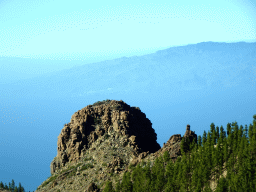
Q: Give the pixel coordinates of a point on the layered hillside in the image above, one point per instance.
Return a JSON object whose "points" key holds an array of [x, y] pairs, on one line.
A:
{"points": [[101, 142]]}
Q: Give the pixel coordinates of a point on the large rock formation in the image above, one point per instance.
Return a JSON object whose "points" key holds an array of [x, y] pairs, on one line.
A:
{"points": [[101, 142], [108, 117]]}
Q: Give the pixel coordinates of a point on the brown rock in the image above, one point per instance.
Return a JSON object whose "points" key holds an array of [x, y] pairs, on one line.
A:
{"points": [[105, 118], [174, 143], [172, 146], [138, 159], [190, 134], [92, 188]]}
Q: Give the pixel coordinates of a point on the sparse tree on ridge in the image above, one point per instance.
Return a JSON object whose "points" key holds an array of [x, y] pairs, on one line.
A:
{"points": [[16, 189], [217, 133], [246, 131], [12, 185], [213, 133], [204, 138], [199, 141]]}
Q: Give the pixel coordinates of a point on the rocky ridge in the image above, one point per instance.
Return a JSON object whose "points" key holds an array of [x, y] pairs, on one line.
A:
{"points": [[101, 142]]}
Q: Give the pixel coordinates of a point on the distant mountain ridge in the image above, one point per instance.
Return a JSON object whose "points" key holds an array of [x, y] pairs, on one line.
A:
{"points": [[202, 66]]}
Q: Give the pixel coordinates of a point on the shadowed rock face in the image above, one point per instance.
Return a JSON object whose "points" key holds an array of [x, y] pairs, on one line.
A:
{"points": [[105, 118]]}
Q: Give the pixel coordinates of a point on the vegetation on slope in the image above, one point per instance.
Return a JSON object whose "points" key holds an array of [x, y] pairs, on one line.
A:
{"points": [[219, 161]]}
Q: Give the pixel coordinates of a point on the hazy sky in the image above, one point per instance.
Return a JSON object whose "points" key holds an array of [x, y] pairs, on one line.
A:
{"points": [[81, 29]]}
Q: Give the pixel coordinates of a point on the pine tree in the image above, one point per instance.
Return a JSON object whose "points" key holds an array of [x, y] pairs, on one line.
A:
{"points": [[222, 185], [19, 188], [222, 136], [126, 184], [240, 133], [166, 157], [215, 159], [1, 185], [230, 138], [250, 133], [208, 151], [254, 118], [12, 185], [235, 133], [204, 138], [246, 131], [15, 189], [22, 189], [185, 171], [118, 186], [194, 180], [138, 180], [199, 141], [228, 129], [253, 148], [184, 146], [217, 133], [158, 175], [108, 187], [170, 175], [213, 133], [177, 176], [147, 176], [226, 152]]}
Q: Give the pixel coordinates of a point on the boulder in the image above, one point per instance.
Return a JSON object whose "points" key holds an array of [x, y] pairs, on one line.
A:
{"points": [[92, 188]]}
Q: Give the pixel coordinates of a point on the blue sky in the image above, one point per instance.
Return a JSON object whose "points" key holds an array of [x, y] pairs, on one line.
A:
{"points": [[79, 29]]}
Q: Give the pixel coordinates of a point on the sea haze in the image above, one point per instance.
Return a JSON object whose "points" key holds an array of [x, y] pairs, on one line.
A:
{"points": [[197, 84]]}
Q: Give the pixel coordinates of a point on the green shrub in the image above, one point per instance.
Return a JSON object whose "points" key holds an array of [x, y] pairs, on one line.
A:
{"points": [[101, 102], [87, 159], [52, 178], [84, 167], [108, 187]]}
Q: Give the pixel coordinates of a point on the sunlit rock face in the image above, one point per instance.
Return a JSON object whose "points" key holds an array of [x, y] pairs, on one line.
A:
{"points": [[107, 118]]}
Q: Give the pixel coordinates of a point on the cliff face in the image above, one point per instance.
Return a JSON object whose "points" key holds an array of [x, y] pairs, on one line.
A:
{"points": [[92, 122], [100, 143]]}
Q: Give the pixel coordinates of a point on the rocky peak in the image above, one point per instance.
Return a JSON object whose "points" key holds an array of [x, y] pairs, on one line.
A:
{"points": [[101, 142], [106, 118], [190, 134]]}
